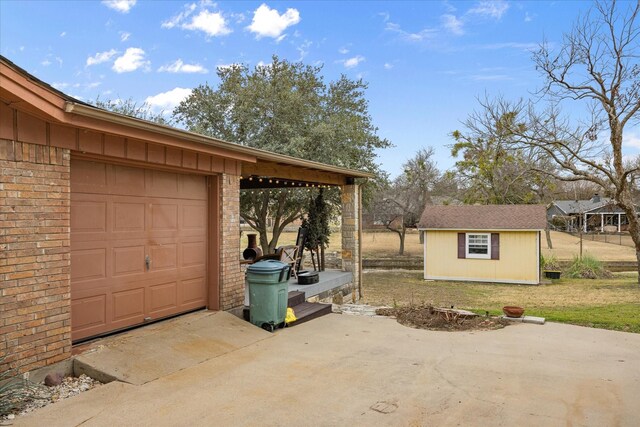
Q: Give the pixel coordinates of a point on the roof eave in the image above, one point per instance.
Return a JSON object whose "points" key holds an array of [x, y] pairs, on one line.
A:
{"points": [[98, 113]]}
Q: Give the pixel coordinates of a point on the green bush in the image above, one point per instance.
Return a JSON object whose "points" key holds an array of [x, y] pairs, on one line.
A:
{"points": [[587, 267], [550, 262]]}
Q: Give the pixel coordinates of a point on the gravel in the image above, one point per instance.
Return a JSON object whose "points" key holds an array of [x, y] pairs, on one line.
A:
{"points": [[42, 395]]}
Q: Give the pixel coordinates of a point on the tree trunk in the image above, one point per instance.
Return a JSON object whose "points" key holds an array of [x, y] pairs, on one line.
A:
{"points": [[547, 233], [321, 257], [402, 236]]}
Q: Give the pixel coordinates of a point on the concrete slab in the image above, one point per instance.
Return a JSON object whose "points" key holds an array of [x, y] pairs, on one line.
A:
{"points": [[157, 350], [364, 371]]}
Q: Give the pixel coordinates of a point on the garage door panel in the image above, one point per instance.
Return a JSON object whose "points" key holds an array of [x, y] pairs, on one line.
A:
{"points": [[128, 216], [163, 184], [88, 264], [89, 177], [194, 217], [89, 216], [116, 224], [89, 312], [193, 254], [128, 260], [125, 180], [193, 291], [128, 305], [164, 256], [193, 187], [164, 216], [163, 297]]}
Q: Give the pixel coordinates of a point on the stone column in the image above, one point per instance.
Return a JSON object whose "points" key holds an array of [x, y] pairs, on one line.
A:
{"points": [[351, 228], [231, 277]]}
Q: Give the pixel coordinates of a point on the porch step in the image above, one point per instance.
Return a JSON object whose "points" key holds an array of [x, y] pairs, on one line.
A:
{"points": [[295, 298], [309, 310], [303, 310]]}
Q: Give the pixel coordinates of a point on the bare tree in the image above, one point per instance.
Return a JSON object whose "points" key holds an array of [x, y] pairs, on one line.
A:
{"points": [[401, 203], [596, 65]]}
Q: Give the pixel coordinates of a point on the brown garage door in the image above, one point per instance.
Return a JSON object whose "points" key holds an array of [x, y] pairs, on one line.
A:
{"points": [[138, 245]]}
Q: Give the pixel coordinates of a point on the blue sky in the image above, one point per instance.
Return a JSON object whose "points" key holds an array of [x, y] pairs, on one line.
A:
{"points": [[426, 62]]}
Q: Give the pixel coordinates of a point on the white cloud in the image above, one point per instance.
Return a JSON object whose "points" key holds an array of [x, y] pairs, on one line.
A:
{"points": [[353, 62], [211, 23], [62, 34], [452, 24], [124, 36], [424, 34], [179, 66], [133, 58], [45, 63], [101, 57], [269, 23], [343, 51], [122, 6], [528, 17], [179, 18], [493, 9], [511, 45], [388, 66], [631, 139], [167, 101], [303, 49]]}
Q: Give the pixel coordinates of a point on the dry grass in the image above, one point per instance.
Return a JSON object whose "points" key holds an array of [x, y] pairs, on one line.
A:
{"points": [[565, 246], [612, 303], [386, 244]]}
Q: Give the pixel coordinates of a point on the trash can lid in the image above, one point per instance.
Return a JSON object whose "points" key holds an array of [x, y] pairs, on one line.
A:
{"points": [[267, 266]]}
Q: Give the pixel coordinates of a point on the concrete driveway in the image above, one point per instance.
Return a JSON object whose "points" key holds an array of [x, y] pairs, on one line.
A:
{"points": [[349, 370]]}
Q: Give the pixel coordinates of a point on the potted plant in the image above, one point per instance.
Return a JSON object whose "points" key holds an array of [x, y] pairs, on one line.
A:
{"points": [[550, 267]]}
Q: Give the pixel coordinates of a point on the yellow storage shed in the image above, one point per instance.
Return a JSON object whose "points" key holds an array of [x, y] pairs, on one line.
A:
{"points": [[491, 243]]}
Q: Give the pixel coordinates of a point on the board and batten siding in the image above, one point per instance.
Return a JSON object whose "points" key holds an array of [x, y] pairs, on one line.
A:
{"points": [[518, 263]]}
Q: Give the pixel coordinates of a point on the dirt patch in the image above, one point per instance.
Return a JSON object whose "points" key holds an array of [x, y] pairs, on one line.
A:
{"points": [[428, 317]]}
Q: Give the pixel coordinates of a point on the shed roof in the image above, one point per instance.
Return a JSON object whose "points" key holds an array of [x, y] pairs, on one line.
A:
{"points": [[484, 217]]}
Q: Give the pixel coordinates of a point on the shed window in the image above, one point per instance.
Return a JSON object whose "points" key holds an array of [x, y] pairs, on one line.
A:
{"points": [[478, 245]]}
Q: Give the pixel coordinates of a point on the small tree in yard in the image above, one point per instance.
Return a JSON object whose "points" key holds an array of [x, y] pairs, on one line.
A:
{"points": [[317, 224], [595, 66]]}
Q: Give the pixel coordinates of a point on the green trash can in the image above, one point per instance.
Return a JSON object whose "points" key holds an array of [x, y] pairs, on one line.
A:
{"points": [[268, 293]]}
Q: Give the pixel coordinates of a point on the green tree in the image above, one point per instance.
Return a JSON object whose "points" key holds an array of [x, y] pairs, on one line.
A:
{"points": [[285, 107], [490, 170], [317, 224]]}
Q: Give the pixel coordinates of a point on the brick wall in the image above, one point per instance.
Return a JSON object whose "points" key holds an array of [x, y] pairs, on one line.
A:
{"points": [[231, 277], [350, 232], [35, 318]]}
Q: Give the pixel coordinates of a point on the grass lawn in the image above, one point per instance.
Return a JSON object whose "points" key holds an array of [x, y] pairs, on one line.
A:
{"points": [[608, 304]]}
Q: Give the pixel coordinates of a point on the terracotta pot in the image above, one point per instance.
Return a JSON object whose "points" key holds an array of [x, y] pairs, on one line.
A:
{"points": [[513, 311], [253, 251]]}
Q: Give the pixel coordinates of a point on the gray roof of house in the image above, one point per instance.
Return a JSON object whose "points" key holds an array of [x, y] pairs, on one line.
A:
{"points": [[581, 206], [484, 217]]}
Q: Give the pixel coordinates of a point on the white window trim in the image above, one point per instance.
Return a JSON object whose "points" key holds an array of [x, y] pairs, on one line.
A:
{"points": [[477, 256]]}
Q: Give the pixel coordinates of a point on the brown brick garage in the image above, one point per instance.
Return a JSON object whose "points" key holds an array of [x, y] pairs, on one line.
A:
{"points": [[86, 195]]}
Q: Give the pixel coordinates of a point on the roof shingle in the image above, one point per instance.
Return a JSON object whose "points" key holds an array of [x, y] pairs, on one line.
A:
{"points": [[485, 217]]}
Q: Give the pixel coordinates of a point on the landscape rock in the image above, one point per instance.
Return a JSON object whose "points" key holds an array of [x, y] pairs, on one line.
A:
{"points": [[53, 379]]}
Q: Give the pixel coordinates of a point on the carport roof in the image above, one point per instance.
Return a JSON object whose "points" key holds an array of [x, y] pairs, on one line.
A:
{"points": [[256, 161]]}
